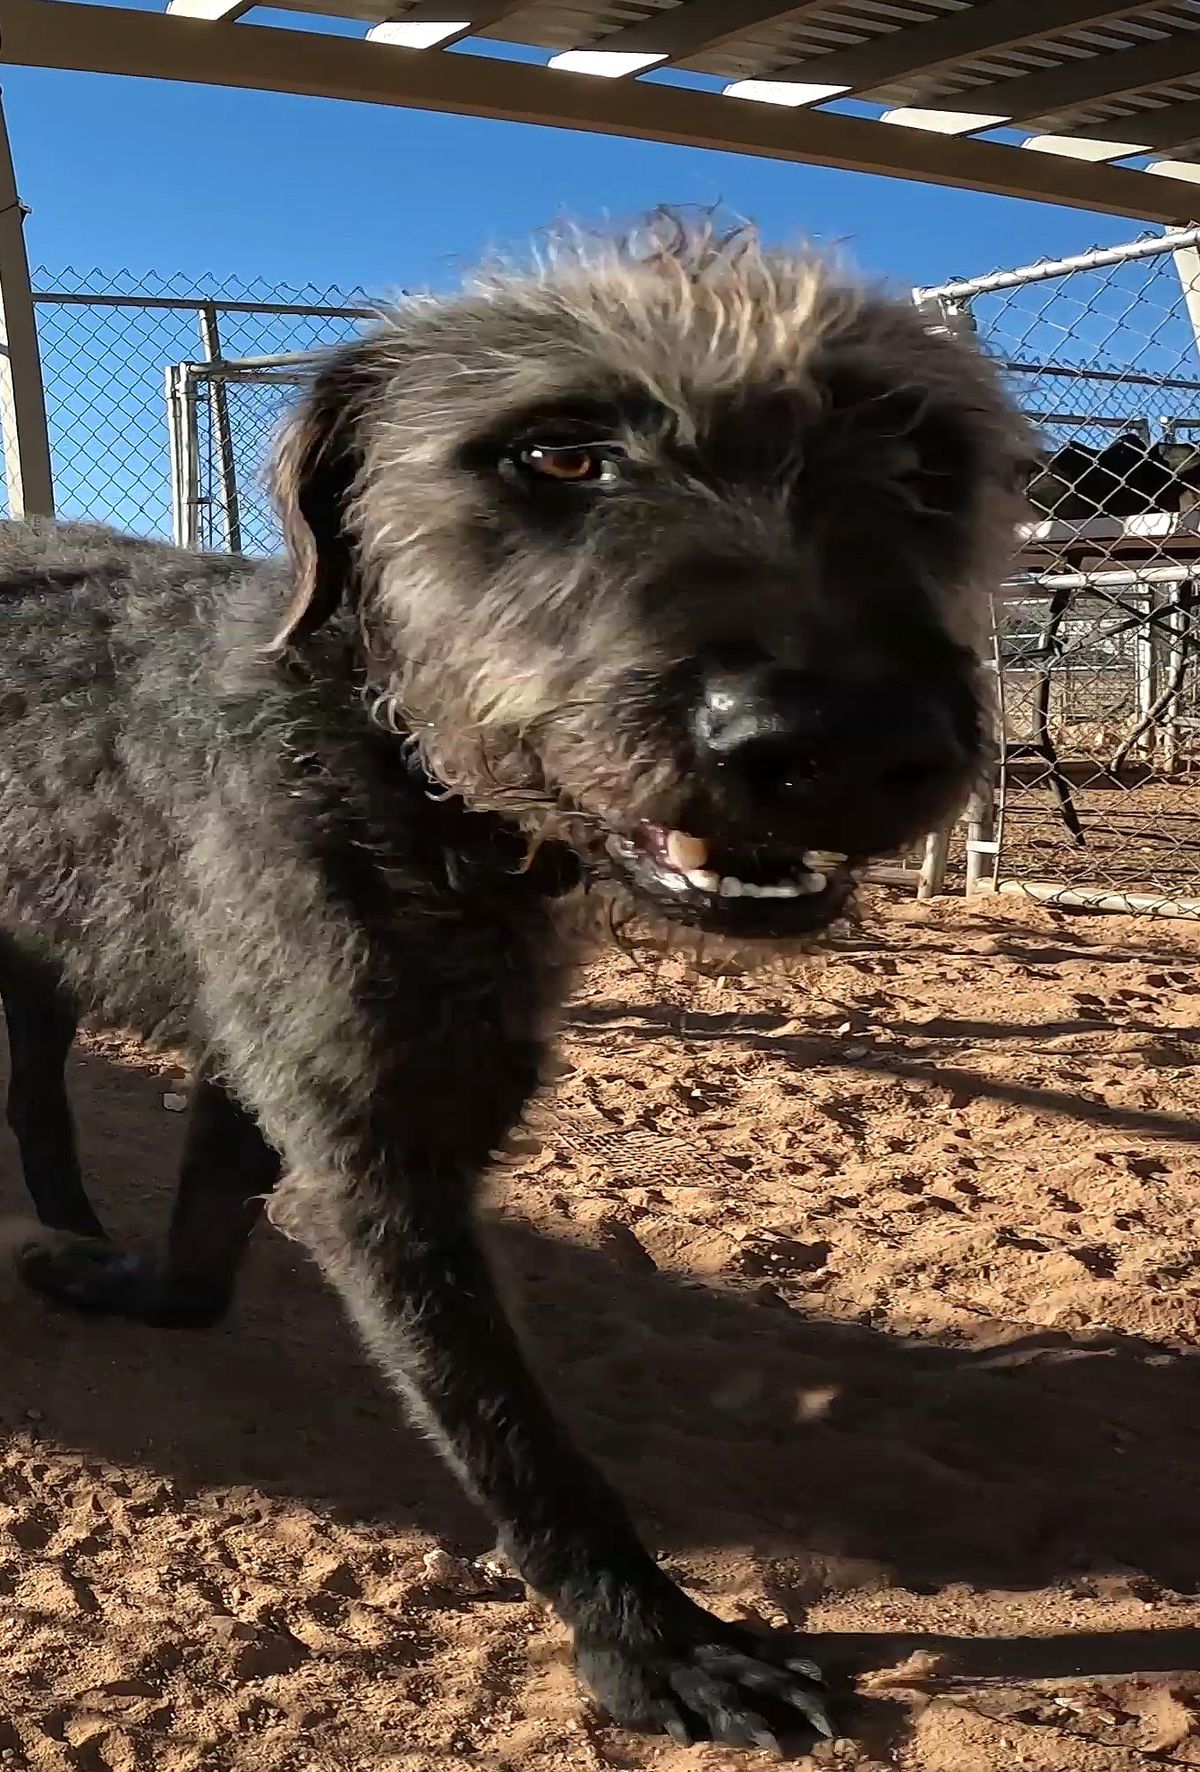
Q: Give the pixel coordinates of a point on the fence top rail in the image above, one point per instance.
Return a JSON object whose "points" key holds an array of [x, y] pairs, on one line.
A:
{"points": [[198, 304], [1042, 587], [967, 287], [1088, 372], [280, 368]]}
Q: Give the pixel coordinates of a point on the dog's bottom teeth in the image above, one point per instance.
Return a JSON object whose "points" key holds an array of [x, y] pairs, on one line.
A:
{"points": [[807, 886], [671, 848]]}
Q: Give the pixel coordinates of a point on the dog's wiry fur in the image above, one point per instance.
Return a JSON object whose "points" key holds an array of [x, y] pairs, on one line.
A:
{"points": [[687, 331], [315, 819]]}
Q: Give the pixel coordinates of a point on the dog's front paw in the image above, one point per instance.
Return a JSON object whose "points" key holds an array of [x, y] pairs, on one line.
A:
{"points": [[91, 1274], [700, 1679]]}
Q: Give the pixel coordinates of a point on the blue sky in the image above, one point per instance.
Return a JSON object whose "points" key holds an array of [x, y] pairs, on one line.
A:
{"points": [[167, 177]]}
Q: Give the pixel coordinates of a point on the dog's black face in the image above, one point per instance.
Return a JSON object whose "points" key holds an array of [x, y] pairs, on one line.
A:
{"points": [[797, 697], [689, 573]]}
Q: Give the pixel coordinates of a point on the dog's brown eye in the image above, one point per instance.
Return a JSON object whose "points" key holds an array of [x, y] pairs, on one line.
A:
{"points": [[563, 464], [569, 462]]}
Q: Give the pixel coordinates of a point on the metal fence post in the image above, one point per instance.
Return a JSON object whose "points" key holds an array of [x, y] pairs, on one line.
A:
{"points": [[1179, 622], [174, 444], [982, 848], [945, 315], [1148, 643], [183, 434], [210, 338], [957, 319], [931, 879], [26, 441], [1187, 268]]}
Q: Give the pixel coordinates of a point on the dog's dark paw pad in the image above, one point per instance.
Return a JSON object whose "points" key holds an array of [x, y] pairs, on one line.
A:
{"points": [[729, 1686], [86, 1273]]}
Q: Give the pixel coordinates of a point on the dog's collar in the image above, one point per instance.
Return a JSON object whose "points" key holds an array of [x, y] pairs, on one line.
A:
{"points": [[551, 868]]}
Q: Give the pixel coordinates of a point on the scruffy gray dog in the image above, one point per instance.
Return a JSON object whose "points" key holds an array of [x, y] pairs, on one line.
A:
{"points": [[657, 571]]}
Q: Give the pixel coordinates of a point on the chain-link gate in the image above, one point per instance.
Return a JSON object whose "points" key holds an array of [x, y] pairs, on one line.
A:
{"points": [[1097, 796], [106, 343], [223, 419]]}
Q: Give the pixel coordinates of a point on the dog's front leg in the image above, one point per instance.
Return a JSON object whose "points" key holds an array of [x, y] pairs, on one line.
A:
{"points": [[416, 1283], [387, 1079]]}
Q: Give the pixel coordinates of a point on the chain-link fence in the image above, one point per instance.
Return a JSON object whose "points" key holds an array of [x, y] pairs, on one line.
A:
{"points": [[1098, 792], [163, 397], [107, 344], [223, 419]]}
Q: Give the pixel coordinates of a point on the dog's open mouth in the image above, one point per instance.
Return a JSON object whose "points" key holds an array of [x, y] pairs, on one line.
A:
{"points": [[748, 891]]}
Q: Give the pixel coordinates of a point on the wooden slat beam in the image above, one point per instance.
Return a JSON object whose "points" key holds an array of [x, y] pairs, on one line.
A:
{"points": [[233, 12], [697, 25], [1169, 126], [481, 14], [119, 40], [922, 49], [1046, 94]]}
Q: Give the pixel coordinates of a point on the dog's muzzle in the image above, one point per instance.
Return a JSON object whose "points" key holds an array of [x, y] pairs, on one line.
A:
{"points": [[796, 780], [753, 892]]}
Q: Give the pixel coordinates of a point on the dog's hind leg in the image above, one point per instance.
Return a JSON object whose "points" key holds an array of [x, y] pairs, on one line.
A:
{"points": [[42, 1019], [228, 1169]]}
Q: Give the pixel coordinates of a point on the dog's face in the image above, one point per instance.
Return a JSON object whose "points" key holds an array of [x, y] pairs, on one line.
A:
{"points": [[682, 558]]}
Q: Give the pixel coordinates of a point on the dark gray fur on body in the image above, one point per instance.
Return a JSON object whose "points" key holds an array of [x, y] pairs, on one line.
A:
{"points": [[662, 569]]}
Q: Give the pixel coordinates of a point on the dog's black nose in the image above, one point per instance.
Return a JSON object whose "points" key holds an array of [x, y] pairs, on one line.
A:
{"points": [[854, 765]]}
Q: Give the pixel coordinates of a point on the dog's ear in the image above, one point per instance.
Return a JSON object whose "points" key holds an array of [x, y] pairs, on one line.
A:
{"points": [[317, 465]]}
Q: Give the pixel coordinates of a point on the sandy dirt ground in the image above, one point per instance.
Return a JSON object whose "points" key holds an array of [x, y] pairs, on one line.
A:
{"points": [[877, 1289]]}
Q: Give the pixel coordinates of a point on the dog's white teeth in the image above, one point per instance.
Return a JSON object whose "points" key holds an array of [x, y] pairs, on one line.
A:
{"points": [[684, 857], [807, 886], [688, 854], [734, 888]]}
